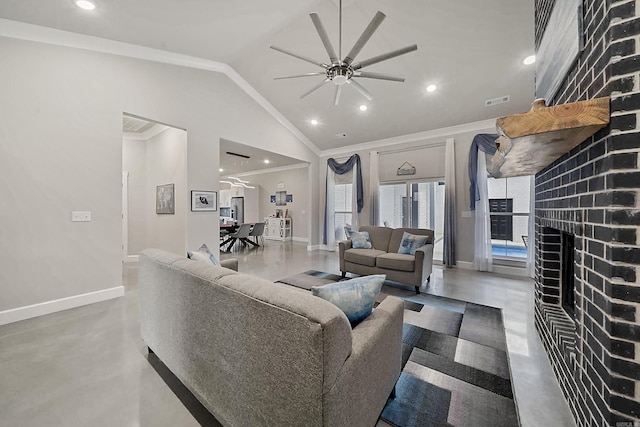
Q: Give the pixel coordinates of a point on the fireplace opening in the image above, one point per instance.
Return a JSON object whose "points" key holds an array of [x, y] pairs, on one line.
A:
{"points": [[567, 283]]}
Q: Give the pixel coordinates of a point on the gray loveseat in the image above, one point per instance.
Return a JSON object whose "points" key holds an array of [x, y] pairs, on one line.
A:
{"points": [[257, 353], [384, 258]]}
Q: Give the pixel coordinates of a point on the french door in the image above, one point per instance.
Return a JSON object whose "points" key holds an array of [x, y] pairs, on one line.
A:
{"points": [[418, 204]]}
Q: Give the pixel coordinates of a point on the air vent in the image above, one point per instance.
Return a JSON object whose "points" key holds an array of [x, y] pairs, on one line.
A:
{"points": [[495, 101], [341, 135]]}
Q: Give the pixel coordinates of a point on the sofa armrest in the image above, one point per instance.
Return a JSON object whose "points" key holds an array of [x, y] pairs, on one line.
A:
{"points": [[231, 264], [424, 257], [371, 371], [343, 245]]}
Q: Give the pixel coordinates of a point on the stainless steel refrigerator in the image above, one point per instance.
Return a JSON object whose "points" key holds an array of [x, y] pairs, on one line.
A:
{"points": [[237, 209]]}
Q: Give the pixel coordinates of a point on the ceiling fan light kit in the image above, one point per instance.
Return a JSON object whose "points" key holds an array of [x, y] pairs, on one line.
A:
{"points": [[346, 71]]}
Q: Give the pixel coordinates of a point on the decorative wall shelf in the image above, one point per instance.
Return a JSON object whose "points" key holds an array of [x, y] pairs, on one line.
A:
{"points": [[531, 141]]}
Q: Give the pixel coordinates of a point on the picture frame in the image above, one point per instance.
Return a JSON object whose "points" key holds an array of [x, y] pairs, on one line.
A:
{"points": [[165, 199], [281, 198], [204, 201]]}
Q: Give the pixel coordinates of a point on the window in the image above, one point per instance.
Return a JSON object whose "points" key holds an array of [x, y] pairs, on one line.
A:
{"points": [[509, 200], [501, 225], [415, 205], [343, 209]]}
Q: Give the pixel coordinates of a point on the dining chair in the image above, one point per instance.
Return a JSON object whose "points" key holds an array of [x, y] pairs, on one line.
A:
{"points": [[242, 234], [258, 232]]}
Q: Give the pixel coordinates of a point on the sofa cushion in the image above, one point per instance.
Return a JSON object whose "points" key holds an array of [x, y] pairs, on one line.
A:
{"points": [[203, 254], [360, 240], [379, 236], [411, 242], [401, 262], [397, 233], [355, 297], [362, 256]]}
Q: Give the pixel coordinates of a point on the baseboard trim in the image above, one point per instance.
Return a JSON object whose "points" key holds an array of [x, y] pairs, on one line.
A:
{"points": [[498, 269], [132, 258], [311, 248], [300, 239], [48, 307]]}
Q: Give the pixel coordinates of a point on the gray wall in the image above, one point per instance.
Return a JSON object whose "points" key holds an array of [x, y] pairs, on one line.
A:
{"points": [[296, 182], [464, 225], [61, 150]]}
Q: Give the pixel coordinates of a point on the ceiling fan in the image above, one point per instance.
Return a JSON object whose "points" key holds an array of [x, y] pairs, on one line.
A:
{"points": [[342, 72]]}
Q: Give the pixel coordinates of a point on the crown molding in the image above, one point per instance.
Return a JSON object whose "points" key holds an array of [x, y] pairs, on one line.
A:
{"points": [[413, 137], [272, 170], [37, 33]]}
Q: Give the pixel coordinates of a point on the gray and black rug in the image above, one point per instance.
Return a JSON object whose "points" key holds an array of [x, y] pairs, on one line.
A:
{"points": [[455, 368]]}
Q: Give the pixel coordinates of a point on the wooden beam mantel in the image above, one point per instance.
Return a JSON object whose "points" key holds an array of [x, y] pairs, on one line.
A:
{"points": [[531, 141]]}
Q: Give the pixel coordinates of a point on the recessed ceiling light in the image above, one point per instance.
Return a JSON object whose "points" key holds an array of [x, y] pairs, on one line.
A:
{"points": [[266, 161], [314, 122], [221, 170], [529, 60], [85, 4], [363, 107], [431, 88]]}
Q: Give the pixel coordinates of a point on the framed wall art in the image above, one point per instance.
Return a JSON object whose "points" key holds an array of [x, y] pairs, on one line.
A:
{"points": [[165, 199], [203, 201]]}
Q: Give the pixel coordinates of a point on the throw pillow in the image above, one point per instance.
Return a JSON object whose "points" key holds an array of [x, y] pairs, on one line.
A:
{"points": [[203, 254], [411, 242], [361, 240], [355, 297]]}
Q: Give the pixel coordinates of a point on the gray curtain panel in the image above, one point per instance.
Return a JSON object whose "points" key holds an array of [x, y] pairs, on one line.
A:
{"points": [[341, 169], [485, 142]]}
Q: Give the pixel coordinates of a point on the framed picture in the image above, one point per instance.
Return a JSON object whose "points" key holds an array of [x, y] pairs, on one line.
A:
{"points": [[281, 198], [165, 199], [202, 201]]}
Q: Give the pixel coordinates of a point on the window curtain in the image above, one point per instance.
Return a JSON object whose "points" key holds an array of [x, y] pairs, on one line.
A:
{"points": [[482, 259], [374, 186], [485, 142], [449, 248], [531, 240], [335, 168]]}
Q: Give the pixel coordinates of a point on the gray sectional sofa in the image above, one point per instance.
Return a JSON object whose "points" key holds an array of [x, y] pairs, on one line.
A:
{"points": [[257, 353], [384, 258]]}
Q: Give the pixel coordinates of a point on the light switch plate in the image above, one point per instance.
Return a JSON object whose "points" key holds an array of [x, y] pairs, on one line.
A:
{"points": [[81, 216]]}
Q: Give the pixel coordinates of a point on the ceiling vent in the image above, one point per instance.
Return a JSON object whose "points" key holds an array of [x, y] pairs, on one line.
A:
{"points": [[495, 101]]}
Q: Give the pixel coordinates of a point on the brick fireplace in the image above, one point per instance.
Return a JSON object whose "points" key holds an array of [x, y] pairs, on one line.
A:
{"points": [[592, 196]]}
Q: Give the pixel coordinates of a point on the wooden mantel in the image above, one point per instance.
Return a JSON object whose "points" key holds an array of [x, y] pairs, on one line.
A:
{"points": [[531, 141]]}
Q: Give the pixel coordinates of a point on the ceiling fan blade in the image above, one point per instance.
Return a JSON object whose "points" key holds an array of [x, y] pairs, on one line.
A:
{"points": [[360, 89], [385, 56], [364, 38], [336, 96], [320, 73], [295, 55], [316, 87], [324, 37], [380, 76]]}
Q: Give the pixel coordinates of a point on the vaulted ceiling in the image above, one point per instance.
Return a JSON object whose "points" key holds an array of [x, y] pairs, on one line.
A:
{"points": [[471, 50]]}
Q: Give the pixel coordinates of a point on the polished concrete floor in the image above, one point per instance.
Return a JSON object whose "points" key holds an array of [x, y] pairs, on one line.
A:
{"points": [[88, 367]]}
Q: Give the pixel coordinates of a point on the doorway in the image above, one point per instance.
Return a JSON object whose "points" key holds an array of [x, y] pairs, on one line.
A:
{"points": [[153, 157], [416, 204]]}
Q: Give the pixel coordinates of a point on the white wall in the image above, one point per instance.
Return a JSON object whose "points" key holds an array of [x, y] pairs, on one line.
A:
{"points": [[462, 136], [61, 150], [134, 161]]}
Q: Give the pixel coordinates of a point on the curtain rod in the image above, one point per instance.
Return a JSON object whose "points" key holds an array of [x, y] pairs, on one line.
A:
{"points": [[401, 150]]}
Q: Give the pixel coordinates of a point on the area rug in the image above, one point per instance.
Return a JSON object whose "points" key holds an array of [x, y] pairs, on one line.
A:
{"points": [[455, 367]]}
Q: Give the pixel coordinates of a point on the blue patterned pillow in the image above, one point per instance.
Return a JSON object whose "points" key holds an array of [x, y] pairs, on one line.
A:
{"points": [[355, 297], [203, 254], [411, 242], [360, 240]]}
